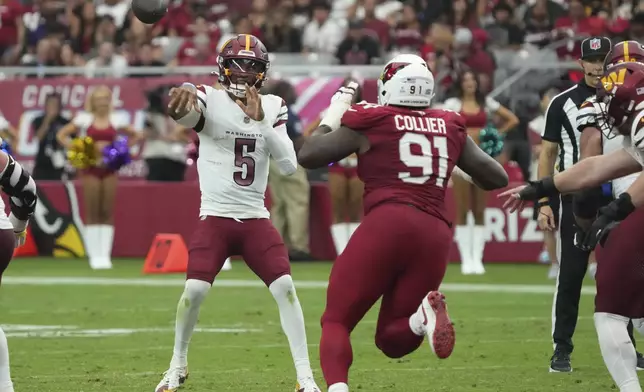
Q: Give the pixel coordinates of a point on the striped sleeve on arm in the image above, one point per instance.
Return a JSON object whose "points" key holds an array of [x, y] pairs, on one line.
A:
{"points": [[587, 114], [282, 116], [21, 188]]}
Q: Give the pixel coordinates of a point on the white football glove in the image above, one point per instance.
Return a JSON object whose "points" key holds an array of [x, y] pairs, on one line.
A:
{"points": [[340, 102], [19, 230]]}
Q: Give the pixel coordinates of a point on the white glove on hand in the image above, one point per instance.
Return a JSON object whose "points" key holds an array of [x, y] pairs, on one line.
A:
{"points": [[19, 230], [340, 102]]}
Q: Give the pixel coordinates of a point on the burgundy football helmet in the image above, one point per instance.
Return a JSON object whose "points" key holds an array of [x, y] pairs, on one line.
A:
{"points": [[624, 52], [242, 60], [620, 93]]}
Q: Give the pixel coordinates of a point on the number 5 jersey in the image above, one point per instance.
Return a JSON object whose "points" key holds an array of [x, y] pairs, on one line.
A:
{"points": [[234, 153]]}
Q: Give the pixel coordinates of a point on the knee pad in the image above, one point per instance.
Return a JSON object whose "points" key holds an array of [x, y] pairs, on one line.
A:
{"points": [[196, 290], [283, 287]]}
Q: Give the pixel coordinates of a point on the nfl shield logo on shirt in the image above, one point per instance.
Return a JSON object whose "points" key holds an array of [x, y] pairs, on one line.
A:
{"points": [[595, 43]]}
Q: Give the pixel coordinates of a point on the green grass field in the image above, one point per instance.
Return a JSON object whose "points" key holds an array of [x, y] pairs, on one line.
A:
{"points": [[115, 333]]}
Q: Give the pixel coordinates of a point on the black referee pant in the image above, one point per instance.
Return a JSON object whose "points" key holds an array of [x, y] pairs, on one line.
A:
{"points": [[573, 263]]}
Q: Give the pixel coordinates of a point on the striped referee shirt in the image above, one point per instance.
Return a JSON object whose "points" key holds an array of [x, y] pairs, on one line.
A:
{"points": [[561, 123]]}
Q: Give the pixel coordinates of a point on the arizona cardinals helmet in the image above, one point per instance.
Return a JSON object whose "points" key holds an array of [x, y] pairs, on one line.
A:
{"points": [[620, 93], [414, 87], [242, 61], [624, 52]]}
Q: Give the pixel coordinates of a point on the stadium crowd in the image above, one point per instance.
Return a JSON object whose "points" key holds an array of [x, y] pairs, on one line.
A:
{"points": [[448, 34]]}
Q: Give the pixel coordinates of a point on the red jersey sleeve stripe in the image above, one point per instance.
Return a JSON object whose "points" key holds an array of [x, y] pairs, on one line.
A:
{"points": [[280, 122]]}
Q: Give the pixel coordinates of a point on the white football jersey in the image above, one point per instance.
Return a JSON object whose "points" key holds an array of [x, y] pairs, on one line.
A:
{"points": [[234, 155], [634, 143], [587, 116]]}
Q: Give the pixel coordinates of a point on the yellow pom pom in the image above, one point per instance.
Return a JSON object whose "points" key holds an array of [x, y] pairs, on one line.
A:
{"points": [[82, 153]]}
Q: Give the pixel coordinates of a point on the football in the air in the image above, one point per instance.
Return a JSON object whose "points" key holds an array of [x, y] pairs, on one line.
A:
{"points": [[149, 11]]}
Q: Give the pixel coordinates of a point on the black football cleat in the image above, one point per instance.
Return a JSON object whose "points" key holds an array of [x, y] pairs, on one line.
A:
{"points": [[640, 361], [560, 362]]}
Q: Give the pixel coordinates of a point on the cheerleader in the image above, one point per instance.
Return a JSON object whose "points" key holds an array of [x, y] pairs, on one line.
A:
{"points": [[99, 183], [477, 110], [346, 191]]}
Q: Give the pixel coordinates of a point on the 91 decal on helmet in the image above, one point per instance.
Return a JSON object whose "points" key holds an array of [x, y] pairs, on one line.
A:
{"points": [[414, 89], [242, 61]]}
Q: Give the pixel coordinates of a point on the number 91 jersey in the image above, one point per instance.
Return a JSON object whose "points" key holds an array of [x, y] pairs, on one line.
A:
{"points": [[233, 155], [412, 154]]}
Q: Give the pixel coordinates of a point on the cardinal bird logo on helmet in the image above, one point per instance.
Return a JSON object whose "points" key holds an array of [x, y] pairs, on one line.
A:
{"points": [[242, 61]]}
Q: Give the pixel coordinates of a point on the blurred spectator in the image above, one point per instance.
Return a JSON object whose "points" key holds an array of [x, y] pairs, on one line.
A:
{"points": [[146, 58], [201, 54], [83, 24], [636, 31], [178, 20], [290, 194], [43, 20], [107, 31], [461, 14], [50, 159], [539, 24], [467, 54], [300, 13], [385, 10], [279, 36], [117, 10], [136, 35], [11, 29], [241, 25], [322, 34], [504, 32], [258, 13], [379, 27], [575, 26], [165, 147], [44, 57], [407, 37], [68, 58], [357, 47], [107, 58]]}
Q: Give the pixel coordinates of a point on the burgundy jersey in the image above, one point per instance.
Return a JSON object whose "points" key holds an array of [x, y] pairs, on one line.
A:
{"points": [[411, 157]]}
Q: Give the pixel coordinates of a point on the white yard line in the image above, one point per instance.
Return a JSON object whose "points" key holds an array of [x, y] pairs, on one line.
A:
{"points": [[394, 368], [301, 284]]}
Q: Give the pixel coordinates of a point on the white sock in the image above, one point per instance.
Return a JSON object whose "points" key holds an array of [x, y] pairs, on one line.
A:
{"points": [[187, 315], [92, 246], [478, 247], [340, 234], [5, 374], [618, 351], [463, 236], [416, 324], [107, 240], [227, 265], [339, 387], [292, 320]]}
